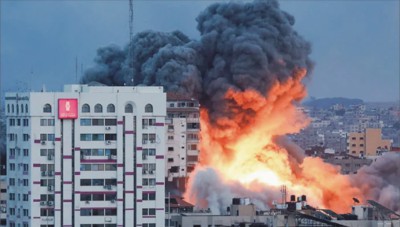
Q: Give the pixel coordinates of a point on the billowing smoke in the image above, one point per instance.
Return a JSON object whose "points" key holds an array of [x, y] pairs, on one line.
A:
{"points": [[242, 46], [246, 69], [380, 180]]}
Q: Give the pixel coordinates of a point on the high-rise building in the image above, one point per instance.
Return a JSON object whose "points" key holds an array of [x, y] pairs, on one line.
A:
{"points": [[367, 143], [88, 156], [183, 128]]}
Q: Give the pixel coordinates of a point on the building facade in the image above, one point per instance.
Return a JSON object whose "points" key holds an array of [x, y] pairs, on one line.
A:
{"points": [[87, 156], [367, 143], [183, 129]]}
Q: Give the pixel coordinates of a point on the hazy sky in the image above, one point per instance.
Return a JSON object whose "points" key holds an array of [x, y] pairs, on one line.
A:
{"points": [[355, 43]]}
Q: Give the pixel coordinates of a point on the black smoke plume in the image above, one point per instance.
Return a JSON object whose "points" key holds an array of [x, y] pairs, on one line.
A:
{"points": [[242, 46]]}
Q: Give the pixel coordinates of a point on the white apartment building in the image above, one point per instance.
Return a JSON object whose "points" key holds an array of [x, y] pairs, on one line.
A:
{"points": [[90, 156], [183, 129]]}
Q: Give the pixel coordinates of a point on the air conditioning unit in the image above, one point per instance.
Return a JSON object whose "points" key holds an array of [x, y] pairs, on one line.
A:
{"points": [[151, 172], [109, 187], [114, 157], [50, 203], [43, 142], [43, 203], [108, 142], [144, 172], [50, 188], [108, 128], [107, 219]]}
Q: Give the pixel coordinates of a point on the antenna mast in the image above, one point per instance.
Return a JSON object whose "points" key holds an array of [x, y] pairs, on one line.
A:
{"points": [[130, 57]]}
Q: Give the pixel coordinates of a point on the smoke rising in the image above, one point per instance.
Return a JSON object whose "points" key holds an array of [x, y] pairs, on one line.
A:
{"points": [[242, 46], [247, 65], [380, 180]]}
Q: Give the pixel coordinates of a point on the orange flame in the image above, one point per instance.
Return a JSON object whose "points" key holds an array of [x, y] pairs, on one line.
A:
{"points": [[241, 146]]}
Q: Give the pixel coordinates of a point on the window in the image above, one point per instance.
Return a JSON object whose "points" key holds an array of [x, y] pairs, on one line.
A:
{"points": [[85, 108], [12, 166], [46, 122], [25, 197], [148, 108], [22, 108], [11, 122], [110, 122], [149, 195], [18, 122], [148, 152], [25, 182], [170, 148], [111, 136], [110, 108], [26, 152], [26, 212], [148, 211], [98, 108], [170, 137], [8, 108], [26, 108], [47, 108], [12, 108], [148, 122], [128, 108], [18, 108], [25, 137], [25, 122], [170, 160], [98, 122], [11, 181], [86, 122]]}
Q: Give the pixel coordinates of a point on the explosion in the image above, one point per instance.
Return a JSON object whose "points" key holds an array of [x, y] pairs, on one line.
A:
{"points": [[247, 70], [246, 147]]}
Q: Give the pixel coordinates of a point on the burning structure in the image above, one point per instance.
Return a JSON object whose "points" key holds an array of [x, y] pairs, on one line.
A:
{"points": [[248, 71]]}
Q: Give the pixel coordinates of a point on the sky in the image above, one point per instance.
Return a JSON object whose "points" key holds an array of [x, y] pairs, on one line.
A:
{"points": [[355, 43]]}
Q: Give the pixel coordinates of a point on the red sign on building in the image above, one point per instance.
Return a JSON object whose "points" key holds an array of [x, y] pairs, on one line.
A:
{"points": [[67, 109]]}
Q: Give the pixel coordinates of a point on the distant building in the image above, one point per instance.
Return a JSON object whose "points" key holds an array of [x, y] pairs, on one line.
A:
{"points": [[3, 200], [348, 164], [87, 156], [183, 129], [367, 143]]}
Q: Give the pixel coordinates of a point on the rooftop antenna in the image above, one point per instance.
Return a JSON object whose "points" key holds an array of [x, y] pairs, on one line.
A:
{"points": [[131, 38], [76, 69]]}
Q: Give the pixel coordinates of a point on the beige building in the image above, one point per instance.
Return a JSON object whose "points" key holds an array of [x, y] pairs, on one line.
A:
{"points": [[368, 143]]}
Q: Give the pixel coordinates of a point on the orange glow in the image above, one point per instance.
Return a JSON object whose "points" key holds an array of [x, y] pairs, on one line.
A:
{"points": [[241, 147]]}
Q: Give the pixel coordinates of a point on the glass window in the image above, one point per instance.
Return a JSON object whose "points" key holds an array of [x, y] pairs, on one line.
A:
{"points": [[98, 182], [47, 108], [85, 182], [148, 108], [86, 137], [85, 108], [111, 122], [98, 212], [85, 197], [98, 197], [128, 108], [98, 137], [86, 122], [97, 121], [111, 136], [98, 108], [110, 108], [26, 108]]}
